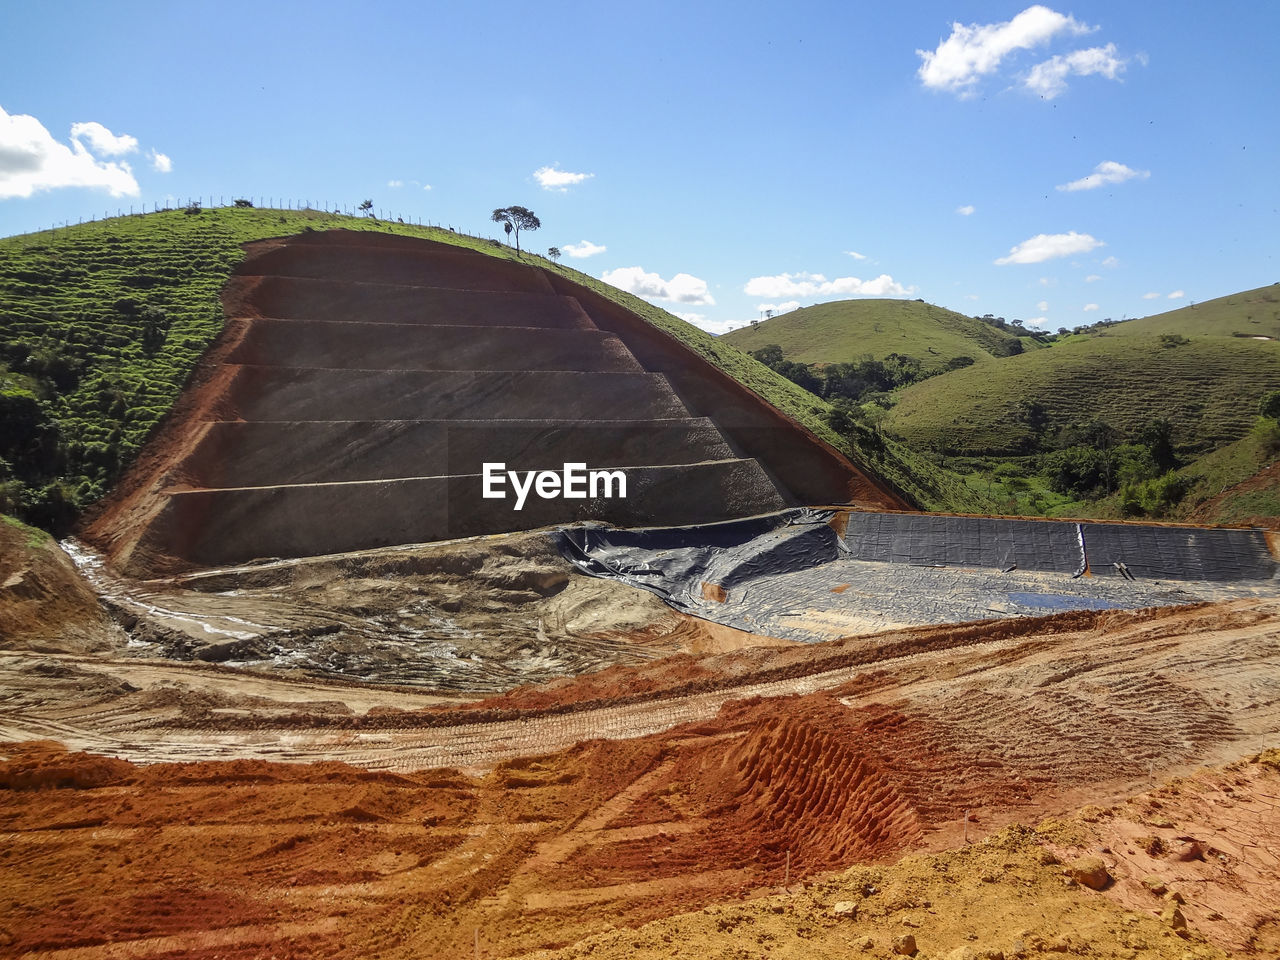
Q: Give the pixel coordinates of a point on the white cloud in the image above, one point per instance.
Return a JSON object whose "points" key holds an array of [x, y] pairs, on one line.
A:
{"points": [[971, 296], [856, 255], [966, 210], [1092, 278], [1106, 172], [1043, 306], [395, 183], [1047, 246], [584, 249], [779, 308], [426, 186], [102, 140], [1048, 281], [1151, 296], [160, 162], [1177, 295], [1089, 307], [711, 326], [974, 51], [1037, 322], [816, 285], [559, 180], [1111, 262], [1049, 79], [682, 288], [32, 160]]}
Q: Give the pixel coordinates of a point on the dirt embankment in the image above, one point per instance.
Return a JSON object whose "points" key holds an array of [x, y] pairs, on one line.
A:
{"points": [[1188, 874], [44, 603]]}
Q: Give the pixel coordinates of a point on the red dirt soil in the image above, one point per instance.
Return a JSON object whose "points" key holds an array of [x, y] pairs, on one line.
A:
{"points": [[247, 858]]}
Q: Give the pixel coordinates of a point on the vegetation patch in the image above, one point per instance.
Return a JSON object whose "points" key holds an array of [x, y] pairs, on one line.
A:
{"points": [[1208, 388]]}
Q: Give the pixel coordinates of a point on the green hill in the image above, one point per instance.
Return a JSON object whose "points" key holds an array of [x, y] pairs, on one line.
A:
{"points": [[101, 324], [847, 330], [1251, 313], [1207, 387]]}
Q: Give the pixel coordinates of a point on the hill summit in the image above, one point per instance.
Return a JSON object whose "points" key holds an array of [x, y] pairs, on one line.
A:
{"points": [[845, 330]]}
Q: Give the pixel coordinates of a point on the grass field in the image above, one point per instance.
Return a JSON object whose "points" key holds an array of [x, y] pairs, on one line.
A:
{"points": [[1208, 388], [847, 330], [1250, 313], [102, 323]]}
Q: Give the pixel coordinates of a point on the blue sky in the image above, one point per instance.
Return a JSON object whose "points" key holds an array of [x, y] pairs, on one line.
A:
{"points": [[1057, 164]]}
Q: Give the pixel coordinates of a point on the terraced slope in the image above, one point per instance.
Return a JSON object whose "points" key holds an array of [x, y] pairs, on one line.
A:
{"points": [[846, 330], [102, 324], [362, 381]]}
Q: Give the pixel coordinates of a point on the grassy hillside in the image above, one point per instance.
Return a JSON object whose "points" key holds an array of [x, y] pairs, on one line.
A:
{"points": [[846, 330], [101, 324], [1251, 313], [1208, 388]]}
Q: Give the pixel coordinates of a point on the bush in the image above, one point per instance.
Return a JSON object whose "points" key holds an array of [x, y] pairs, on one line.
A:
{"points": [[1079, 471], [1269, 437]]}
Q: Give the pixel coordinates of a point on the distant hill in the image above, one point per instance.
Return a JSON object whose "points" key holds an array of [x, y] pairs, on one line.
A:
{"points": [[1207, 386], [1252, 313], [847, 330]]}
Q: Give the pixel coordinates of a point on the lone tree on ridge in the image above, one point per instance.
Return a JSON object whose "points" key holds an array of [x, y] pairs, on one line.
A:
{"points": [[516, 219], [367, 207], [554, 254]]}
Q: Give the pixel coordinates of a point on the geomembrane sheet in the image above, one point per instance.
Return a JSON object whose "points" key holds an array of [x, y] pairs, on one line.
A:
{"points": [[965, 542], [789, 575], [1178, 553]]}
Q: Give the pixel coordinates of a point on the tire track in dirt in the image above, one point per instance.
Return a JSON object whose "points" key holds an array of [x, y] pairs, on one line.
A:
{"points": [[1185, 665]]}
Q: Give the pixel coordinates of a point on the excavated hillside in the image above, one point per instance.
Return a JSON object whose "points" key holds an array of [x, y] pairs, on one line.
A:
{"points": [[362, 381], [790, 743]]}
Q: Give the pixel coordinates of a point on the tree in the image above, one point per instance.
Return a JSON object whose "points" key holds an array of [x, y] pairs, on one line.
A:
{"points": [[1157, 434], [155, 328], [367, 207], [770, 355], [516, 219], [1269, 406], [554, 254]]}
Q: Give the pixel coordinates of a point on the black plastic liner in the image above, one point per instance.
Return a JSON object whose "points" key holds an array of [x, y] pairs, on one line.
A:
{"points": [[1126, 549], [1174, 553], [966, 542], [677, 563], [674, 562]]}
